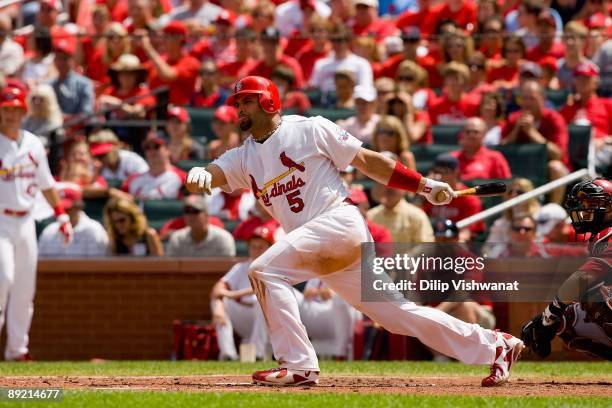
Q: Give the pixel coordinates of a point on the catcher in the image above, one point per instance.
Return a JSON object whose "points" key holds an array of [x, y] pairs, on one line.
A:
{"points": [[581, 312]]}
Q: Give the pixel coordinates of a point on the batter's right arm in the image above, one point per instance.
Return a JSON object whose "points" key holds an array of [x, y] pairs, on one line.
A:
{"points": [[203, 180]]}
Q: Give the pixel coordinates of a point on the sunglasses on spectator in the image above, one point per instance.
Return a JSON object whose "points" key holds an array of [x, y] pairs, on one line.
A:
{"points": [[386, 132], [455, 45], [407, 78], [521, 228], [120, 220], [515, 191], [191, 211], [152, 147]]}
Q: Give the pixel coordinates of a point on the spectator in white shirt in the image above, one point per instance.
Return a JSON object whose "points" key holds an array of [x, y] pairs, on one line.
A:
{"points": [[90, 238], [162, 181], [200, 12], [112, 162], [11, 53], [290, 15], [341, 58], [363, 123], [200, 238]]}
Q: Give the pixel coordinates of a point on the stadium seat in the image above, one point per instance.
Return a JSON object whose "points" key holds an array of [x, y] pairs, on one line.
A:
{"points": [[446, 134], [579, 141], [158, 212], [527, 160], [201, 121], [42, 224], [230, 225], [557, 97], [94, 208], [186, 165], [314, 96], [114, 183], [242, 248], [425, 155], [331, 114]]}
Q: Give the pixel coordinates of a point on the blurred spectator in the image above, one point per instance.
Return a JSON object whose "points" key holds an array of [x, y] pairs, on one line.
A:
{"points": [[44, 114], [38, 65], [416, 123], [175, 69], [554, 225], [478, 85], [549, 45], [140, 20], [548, 78], [363, 123], [75, 93], [289, 16], [499, 233], [263, 16], [200, 13], [299, 38], [273, 56], [528, 12], [221, 47], [603, 59], [522, 243], [292, 99], [344, 81], [420, 17], [78, 168], [367, 23], [128, 97], [411, 39], [506, 75], [342, 11], [11, 53], [98, 59], [574, 39], [367, 48], [319, 46], [90, 238], [568, 10], [456, 47], [209, 94], [341, 58], [475, 160], [390, 136], [181, 145], [384, 87], [598, 32], [128, 231], [93, 32], [446, 169], [246, 46], [163, 180], [380, 234], [406, 222], [225, 128], [454, 106], [200, 238], [535, 123], [234, 306], [258, 216], [412, 78], [492, 38], [492, 112], [462, 12], [112, 162], [585, 107], [486, 10]]}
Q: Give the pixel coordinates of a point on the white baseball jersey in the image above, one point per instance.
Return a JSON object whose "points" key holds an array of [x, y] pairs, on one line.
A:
{"points": [[90, 239], [295, 172], [149, 187], [24, 170], [130, 163], [237, 278]]}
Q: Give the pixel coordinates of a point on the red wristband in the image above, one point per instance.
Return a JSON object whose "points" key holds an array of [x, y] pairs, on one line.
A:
{"points": [[404, 179], [59, 210]]}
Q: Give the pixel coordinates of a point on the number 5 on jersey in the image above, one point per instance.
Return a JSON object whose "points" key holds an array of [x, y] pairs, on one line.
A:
{"points": [[295, 203]]}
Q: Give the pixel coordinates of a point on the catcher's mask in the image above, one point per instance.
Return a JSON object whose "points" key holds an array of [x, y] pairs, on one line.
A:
{"points": [[588, 203]]}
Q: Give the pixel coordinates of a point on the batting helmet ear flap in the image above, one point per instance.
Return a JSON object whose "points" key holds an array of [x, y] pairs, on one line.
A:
{"points": [[267, 102]]}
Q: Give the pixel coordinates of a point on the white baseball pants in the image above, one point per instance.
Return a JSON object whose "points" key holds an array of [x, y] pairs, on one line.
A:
{"points": [[328, 248], [18, 257]]}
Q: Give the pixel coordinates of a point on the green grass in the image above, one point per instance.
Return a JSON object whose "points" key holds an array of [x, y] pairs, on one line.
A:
{"points": [[92, 399], [601, 370]]}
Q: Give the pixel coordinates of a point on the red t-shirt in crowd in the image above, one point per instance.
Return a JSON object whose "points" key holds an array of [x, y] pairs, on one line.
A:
{"points": [[447, 112], [551, 125], [423, 116], [503, 73], [297, 43], [557, 51], [388, 68], [182, 87], [379, 233], [233, 69], [244, 230], [379, 29], [307, 58], [494, 54], [597, 110], [485, 164], [264, 70], [465, 17], [458, 209], [424, 19], [210, 49], [201, 101]]}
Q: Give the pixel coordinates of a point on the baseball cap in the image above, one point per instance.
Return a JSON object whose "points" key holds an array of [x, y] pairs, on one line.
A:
{"points": [[179, 113], [13, 96], [226, 17], [367, 93], [358, 196], [70, 194], [394, 44], [586, 69], [308, 4], [175, 28], [270, 34], [549, 216], [369, 3], [597, 20], [411, 33], [226, 114], [153, 141], [65, 46], [446, 161], [531, 69], [264, 232], [549, 62], [196, 201], [100, 149], [445, 228], [546, 17]]}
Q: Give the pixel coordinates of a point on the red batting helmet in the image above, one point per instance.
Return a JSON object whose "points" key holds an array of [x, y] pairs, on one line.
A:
{"points": [[12, 96], [269, 99]]}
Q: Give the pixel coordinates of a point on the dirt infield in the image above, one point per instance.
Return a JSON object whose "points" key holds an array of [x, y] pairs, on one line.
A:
{"points": [[519, 386]]}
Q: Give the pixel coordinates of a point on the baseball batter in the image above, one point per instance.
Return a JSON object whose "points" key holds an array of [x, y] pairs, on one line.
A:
{"points": [[292, 164], [24, 171]]}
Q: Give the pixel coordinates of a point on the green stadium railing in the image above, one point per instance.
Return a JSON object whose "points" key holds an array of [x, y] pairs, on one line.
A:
{"points": [[158, 212], [446, 134], [579, 143], [201, 122], [187, 165], [557, 97], [331, 113], [425, 155], [526, 160], [242, 248]]}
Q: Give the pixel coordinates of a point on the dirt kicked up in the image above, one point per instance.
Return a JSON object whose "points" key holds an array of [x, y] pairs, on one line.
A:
{"points": [[518, 386]]}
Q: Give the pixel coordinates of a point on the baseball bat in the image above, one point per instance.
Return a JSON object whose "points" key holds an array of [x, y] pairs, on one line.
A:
{"points": [[481, 190]]}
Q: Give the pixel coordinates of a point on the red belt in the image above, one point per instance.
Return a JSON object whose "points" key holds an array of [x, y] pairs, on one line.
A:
{"points": [[14, 213]]}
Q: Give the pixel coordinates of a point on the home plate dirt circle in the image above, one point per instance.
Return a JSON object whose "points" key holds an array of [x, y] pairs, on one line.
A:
{"points": [[519, 386]]}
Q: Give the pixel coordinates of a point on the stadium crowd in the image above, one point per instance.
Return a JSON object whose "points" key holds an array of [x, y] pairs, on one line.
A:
{"points": [[114, 89]]}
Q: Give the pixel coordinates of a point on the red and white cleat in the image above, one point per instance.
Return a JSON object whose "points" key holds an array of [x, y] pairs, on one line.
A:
{"points": [[508, 350], [285, 377]]}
